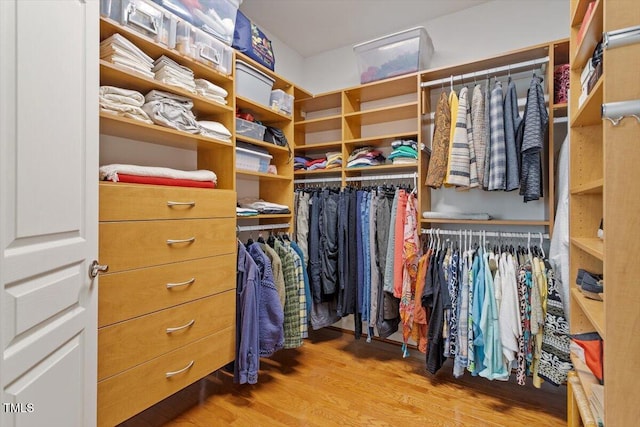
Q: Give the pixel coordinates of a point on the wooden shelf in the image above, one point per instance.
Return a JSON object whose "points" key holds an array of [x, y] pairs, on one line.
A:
{"points": [[592, 36], [593, 187], [271, 147], [109, 27], [112, 75], [578, 13], [591, 245], [560, 110], [321, 102], [324, 146], [385, 114], [590, 112], [134, 129], [381, 140], [261, 112], [519, 222], [320, 124], [594, 310], [388, 88], [381, 168], [262, 175], [333, 171]]}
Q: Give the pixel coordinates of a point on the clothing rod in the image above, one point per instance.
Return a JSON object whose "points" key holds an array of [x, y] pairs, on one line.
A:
{"points": [[506, 234], [621, 37], [616, 111], [488, 71], [382, 177], [316, 180], [262, 227]]}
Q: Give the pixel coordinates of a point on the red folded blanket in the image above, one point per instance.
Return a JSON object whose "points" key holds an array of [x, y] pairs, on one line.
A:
{"points": [[135, 179]]}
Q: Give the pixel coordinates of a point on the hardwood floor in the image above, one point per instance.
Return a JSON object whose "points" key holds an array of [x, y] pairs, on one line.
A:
{"points": [[335, 380]]}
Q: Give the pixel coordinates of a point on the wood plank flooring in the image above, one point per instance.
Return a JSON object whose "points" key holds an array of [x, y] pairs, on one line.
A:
{"points": [[335, 380]]}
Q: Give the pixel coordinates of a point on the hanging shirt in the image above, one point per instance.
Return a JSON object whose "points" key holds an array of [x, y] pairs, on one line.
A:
{"points": [[510, 326], [458, 170], [247, 362], [511, 122], [453, 106], [479, 130], [440, 144], [410, 267], [535, 124], [497, 159]]}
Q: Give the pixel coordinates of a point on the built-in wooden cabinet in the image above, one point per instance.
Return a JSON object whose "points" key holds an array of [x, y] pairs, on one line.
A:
{"points": [[602, 186]]}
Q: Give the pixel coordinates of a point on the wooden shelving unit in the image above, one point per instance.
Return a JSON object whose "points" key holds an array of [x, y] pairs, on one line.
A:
{"points": [[601, 190]]}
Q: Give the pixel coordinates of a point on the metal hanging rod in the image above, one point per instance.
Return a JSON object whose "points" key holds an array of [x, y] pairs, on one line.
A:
{"points": [[616, 111], [506, 234], [413, 175], [317, 180], [622, 37], [488, 71], [262, 227]]}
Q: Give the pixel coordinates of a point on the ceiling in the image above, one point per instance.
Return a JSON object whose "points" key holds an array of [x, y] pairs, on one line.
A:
{"points": [[314, 26]]}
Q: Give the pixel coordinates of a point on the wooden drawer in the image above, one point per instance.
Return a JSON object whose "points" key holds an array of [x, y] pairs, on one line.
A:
{"points": [[128, 344], [122, 202], [135, 244], [124, 395], [128, 294]]}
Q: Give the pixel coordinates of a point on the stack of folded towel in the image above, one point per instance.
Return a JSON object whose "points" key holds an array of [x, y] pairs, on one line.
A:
{"points": [[169, 110], [121, 52], [123, 102], [404, 152], [334, 160], [365, 156], [209, 90], [171, 73], [214, 130]]}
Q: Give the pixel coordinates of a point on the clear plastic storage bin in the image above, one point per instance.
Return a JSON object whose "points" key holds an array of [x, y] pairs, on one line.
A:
{"points": [[404, 52], [253, 84], [253, 161], [144, 17], [249, 129], [281, 101], [203, 47]]}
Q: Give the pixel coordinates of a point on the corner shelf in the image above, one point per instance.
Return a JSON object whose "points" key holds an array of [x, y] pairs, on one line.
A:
{"points": [[380, 140], [593, 187], [589, 112], [518, 222], [594, 310], [271, 147], [590, 39], [262, 175], [591, 245], [320, 124], [383, 114]]}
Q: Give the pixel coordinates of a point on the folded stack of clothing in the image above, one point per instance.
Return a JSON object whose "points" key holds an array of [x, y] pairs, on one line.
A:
{"points": [[365, 156], [170, 72], [214, 130], [209, 90], [262, 206], [300, 163], [121, 52], [334, 160], [404, 152], [246, 212], [158, 176], [123, 102], [315, 164], [174, 111]]}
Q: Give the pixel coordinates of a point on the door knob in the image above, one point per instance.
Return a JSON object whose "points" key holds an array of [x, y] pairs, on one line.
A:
{"points": [[95, 269]]}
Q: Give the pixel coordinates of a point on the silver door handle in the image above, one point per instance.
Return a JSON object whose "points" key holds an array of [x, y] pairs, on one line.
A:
{"points": [[170, 203], [170, 374], [175, 285], [173, 242], [178, 328], [95, 269]]}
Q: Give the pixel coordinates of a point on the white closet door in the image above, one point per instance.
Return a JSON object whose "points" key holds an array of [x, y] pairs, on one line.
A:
{"points": [[48, 211]]}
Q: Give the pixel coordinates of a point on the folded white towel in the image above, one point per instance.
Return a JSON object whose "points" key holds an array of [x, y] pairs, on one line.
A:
{"points": [[207, 86], [110, 172], [121, 96], [119, 41]]}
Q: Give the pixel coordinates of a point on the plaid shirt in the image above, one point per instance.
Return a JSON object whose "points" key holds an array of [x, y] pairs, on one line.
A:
{"points": [[498, 155], [292, 335]]}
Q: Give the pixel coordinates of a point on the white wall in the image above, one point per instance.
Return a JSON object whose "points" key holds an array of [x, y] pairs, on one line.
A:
{"points": [[485, 30]]}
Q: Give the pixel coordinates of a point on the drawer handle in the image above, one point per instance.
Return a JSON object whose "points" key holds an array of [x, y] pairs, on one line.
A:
{"points": [[171, 374], [170, 330], [191, 204], [175, 285], [173, 242]]}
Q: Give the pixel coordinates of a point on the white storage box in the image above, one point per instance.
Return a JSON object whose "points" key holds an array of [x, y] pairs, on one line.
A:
{"points": [[253, 161], [281, 101], [203, 47], [143, 17], [249, 129], [393, 55], [253, 84]]}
